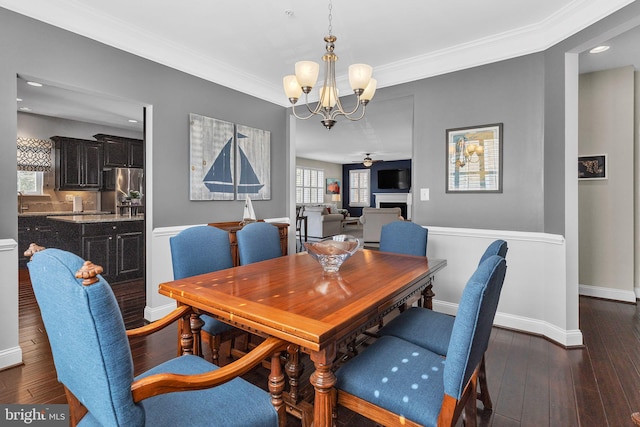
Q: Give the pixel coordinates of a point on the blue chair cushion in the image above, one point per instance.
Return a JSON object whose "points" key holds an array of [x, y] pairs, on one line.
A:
{"points": [[236, 403], [258, 241], [398, 376], [213, 326], [420, 326], [497, 247], [404, 237]]}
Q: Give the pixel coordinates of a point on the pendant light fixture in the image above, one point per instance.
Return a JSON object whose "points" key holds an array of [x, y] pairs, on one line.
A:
{"points": [[329, 106]]}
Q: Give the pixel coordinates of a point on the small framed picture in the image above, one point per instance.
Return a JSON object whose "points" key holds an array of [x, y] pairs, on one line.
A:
{"points": [[592, 167], [474, 159], [333, 186]]}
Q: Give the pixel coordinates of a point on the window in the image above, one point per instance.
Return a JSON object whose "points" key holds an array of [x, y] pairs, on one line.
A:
{"points": [[359, 187], [30, 182], [309, 185]]}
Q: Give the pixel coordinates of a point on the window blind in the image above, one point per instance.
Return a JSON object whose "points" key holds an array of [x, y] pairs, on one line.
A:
{"points": [[34, 154]]}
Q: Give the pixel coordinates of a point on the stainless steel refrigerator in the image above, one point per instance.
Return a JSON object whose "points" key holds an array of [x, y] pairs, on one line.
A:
{"points": [[120, 188]]}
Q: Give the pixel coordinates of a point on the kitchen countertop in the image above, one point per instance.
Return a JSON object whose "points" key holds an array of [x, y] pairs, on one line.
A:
{"points": [[63, 213], [94, 218]]}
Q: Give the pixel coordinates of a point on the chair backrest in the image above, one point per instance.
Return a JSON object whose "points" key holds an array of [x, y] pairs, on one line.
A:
{"points": [[497, 247], [87, 336], [404, 237], [472, 325], [258, 241], [199, 250]]}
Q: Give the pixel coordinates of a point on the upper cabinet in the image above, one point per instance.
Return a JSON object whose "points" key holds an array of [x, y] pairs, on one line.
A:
{"points": [[121, 152], [78, 163]]}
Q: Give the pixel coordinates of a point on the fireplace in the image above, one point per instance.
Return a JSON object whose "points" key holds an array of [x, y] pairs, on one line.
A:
{"points": [[395, 199], [402, 206]]}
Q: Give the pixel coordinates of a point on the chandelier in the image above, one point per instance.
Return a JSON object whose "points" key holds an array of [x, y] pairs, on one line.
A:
{"points": [[329, 106]]}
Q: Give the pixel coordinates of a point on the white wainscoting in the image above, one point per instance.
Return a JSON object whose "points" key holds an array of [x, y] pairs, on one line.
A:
{"points": [[535, 297], [10, 351]]}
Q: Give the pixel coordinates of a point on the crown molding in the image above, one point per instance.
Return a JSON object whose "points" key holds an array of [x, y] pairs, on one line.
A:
{"points": [[77, 17]]}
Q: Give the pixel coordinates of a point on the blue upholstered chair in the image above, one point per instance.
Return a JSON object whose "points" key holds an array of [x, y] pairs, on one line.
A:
{"points": [[404, 237], [258, 241], [198, 250], [394, 380], [432, 330], [93, 360]]}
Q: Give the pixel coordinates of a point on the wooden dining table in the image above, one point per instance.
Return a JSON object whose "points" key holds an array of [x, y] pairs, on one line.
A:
{"points": [[291, 298]]}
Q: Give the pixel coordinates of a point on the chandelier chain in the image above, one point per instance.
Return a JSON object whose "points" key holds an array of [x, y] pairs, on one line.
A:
{"points": [[330, 17]]}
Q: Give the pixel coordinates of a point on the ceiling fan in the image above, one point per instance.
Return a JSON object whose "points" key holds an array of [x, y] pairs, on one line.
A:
{"points": [[368, 161]]}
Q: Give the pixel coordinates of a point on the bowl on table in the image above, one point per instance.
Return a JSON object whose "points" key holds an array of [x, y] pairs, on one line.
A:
{"points": [[333, 251]]}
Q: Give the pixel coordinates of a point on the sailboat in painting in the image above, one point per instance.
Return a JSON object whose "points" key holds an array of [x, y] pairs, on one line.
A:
{"points": [[219, 178]]}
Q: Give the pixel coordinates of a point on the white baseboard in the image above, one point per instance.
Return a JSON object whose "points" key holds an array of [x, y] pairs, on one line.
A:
{"points": [[525, 324], [157, 313], [10, 357], [609, 293]]}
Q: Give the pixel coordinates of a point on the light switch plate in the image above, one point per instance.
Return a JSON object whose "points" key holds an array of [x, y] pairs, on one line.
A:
{"points": [[424, 194]]}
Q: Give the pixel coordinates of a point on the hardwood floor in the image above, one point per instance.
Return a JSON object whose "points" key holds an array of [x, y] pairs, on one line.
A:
{"points": [[532, 381]]}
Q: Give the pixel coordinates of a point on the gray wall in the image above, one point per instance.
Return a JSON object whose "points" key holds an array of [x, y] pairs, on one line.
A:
{"points": [[509, 92], [41, 51]]}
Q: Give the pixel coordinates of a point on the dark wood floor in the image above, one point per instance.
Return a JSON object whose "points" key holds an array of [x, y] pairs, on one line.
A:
{"points": [[532, 381]]}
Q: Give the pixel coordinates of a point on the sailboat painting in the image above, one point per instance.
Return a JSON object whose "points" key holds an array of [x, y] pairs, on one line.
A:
{"points": [[253, 163], [212, 159]]}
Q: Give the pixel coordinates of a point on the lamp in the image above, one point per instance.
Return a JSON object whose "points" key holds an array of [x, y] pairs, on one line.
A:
{"points": [[335, 197], [329, 105], [367, 161]]}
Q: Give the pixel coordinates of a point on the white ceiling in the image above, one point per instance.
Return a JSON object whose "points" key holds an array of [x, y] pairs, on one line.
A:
{"points": [[250, 45]]}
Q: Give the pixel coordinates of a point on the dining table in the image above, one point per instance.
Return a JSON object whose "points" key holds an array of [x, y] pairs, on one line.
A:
{"points": [[318, 313]]}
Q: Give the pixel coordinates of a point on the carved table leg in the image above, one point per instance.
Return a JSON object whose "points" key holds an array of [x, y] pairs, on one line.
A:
{"points": [[196, 324], [276, 387], [294, 400], [294, 370], [428, 295], [323, 381]]}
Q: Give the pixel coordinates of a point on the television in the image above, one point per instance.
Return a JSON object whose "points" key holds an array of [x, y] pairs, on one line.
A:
{"points": [[396, 179]]}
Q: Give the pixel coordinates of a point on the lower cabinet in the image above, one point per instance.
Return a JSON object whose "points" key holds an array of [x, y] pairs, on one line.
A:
{"points": [[35, 229], [116, 246]]}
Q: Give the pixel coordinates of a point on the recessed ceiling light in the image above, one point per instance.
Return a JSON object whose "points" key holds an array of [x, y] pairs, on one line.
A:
{"points": [[36, 84], [19, 99], [133, 121], [599, 49]]}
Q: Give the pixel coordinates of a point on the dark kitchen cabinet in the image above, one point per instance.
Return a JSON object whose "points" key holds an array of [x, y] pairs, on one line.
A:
{"points": [[117, 246], [121, 152], [34, 229], [78, 163]]}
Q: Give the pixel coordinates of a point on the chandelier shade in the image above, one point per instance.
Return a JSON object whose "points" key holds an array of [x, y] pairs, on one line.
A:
{"points": [[329, 106]]}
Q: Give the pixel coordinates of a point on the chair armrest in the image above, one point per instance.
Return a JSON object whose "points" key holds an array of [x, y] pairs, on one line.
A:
{"points": [[162, 323], [168, 383]]}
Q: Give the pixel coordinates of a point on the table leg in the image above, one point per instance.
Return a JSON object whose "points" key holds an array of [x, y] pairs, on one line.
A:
{"points": [[427, 295], [294, 400], [276, 387], [323, 381]]}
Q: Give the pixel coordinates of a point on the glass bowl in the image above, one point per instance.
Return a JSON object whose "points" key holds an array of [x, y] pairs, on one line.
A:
{"points": [[331, 252]]}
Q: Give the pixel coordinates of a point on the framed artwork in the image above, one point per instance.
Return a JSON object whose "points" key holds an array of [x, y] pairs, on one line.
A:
{"points": [[592, 167], [474, 159], [333, 186], [212, 156], [253, 163]]}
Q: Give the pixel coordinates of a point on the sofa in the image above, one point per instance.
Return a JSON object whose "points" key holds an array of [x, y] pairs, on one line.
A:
{"points": [[373, 219], [321, 223]]}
